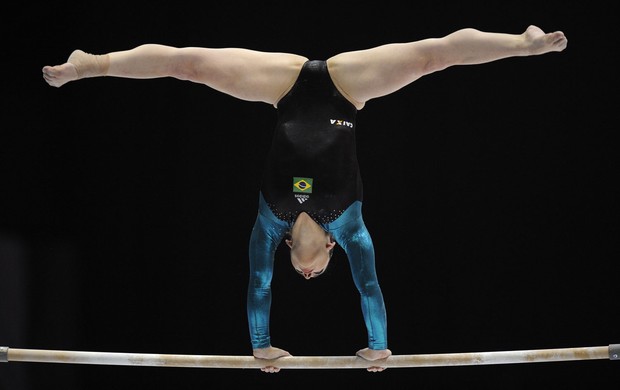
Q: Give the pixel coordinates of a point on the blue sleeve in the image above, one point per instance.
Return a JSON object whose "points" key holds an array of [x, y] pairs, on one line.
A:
{"points": [[352, 235], [267, 234]]}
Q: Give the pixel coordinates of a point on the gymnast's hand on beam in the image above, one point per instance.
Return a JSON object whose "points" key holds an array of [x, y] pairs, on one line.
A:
{"points": [[372, 355], [270, 353]]}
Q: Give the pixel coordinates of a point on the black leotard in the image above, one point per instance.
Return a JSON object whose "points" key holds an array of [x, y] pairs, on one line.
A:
{"points": [[314, 140], [312, 167]]}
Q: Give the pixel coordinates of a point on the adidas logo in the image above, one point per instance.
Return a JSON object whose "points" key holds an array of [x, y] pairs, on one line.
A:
{"points": [[302, 198]]}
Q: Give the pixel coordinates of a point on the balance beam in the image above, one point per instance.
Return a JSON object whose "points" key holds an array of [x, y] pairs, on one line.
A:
{"points": [[611, 352]]}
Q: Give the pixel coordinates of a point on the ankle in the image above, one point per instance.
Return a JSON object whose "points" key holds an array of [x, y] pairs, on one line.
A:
{"points": [[89, 65]]}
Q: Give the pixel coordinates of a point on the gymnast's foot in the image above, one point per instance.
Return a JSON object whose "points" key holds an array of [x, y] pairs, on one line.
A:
{"points": [[78, 66], [58, 75], [540, 43]]}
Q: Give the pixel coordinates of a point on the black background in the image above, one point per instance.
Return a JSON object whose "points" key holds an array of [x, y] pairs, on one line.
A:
{"points": [[126, 205]]}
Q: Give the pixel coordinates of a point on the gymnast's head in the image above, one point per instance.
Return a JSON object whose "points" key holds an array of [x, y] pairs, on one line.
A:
{"points": [[311, 247]]}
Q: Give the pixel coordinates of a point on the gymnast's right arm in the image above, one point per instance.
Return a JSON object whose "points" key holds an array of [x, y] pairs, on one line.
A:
{"points": [[264, 240]]}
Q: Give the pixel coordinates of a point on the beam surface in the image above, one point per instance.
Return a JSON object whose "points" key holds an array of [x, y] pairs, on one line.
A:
{"points": [[308, 362]]}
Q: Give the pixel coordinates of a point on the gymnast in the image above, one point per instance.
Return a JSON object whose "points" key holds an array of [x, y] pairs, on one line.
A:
{"points": [[311, 191]]}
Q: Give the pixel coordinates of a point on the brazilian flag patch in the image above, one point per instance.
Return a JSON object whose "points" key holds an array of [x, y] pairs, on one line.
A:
{"points": [[302, 184]]}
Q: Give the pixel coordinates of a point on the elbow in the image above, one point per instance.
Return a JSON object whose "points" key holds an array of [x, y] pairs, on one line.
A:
{"points": [[260, 281], [369, 288]]}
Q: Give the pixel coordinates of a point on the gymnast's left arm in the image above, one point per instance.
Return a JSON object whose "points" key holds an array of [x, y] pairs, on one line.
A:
{"points": [[357, 243]]}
